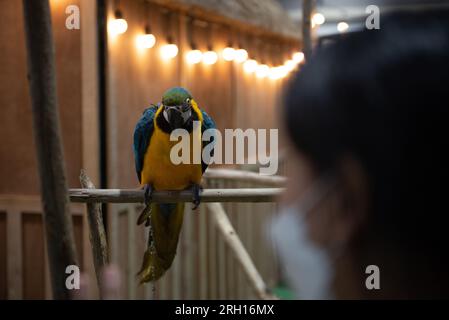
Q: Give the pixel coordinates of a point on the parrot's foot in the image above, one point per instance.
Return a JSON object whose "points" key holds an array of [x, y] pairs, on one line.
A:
{"points": [[196, 196], [145, 215], [148, 193]]}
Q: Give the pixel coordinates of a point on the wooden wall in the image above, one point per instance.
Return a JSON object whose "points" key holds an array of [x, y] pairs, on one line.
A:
{"points": [[203, 268], [22, 262]]}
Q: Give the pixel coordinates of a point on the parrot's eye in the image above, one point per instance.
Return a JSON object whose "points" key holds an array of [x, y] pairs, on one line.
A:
{"points": [[188, 100]]}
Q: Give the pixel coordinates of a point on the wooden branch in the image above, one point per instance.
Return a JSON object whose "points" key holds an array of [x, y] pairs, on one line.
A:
{"points": [[47, 135], [245, 176], [233, 241], [97, 234], [208, 195]]}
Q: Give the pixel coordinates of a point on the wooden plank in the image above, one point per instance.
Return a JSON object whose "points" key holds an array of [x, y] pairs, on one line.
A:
{"points": [[131, 242], [230, 261], [190, 252], [3, 257], [89, 90], [14, 255], [33, 269], [177, 271], [202, 268], [211, 254], [221, 258], [122, 260]]}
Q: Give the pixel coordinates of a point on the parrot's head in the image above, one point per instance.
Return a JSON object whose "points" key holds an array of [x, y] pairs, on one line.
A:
{"points": [[177, 104]]}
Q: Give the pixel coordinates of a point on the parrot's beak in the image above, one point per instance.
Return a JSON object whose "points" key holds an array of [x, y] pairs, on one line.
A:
{"points": [[175, 118]]}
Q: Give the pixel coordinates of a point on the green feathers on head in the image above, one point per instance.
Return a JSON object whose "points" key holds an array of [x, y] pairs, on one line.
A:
{"points": [[175, 96]]}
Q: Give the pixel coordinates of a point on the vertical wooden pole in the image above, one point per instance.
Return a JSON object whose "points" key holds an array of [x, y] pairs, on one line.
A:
{"points": [[42, 82], [307, 27]]}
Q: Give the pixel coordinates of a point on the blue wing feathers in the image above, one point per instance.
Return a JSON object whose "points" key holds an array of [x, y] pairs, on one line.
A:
{"points": [[142, 135], [208, 123]]}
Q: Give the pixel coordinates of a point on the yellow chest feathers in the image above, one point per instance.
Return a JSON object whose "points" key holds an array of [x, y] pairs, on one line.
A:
{"points": [[161, 172]]}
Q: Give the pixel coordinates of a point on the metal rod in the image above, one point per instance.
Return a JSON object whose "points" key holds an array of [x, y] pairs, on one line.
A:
{"points": [[208, 195]]}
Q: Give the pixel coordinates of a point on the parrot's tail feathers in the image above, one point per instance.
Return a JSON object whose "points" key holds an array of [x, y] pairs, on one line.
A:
{"points": [[166, 223], [144, 215], [152, 267]]}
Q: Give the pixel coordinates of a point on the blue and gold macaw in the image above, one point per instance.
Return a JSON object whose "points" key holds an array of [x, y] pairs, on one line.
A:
{"points": [[156, 171]]}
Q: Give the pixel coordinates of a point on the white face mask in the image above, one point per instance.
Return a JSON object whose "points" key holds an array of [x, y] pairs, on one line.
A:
{"points": [[307, 267]]}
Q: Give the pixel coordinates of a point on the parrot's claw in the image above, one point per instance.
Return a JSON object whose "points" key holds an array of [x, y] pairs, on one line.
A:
{"points": [[196, 196], [145, 215], [148, 192]]}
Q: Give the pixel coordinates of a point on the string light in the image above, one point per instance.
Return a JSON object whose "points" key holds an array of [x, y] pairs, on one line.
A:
{"points": [[274, 73], [118, 25], [342, 27], [147, 40], [169, 51], [262, 71], [318, 19], [241, 55], [250, 66], [210, 57], [290, 65], [298, 57], [229, 53], [278, 72], [194, 56]]}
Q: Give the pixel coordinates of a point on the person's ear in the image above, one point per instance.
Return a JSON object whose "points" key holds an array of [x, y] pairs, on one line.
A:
{"points": [[353, 200]]}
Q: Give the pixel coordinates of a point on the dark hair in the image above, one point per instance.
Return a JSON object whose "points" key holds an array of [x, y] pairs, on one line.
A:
{"points": [[382, 96]]}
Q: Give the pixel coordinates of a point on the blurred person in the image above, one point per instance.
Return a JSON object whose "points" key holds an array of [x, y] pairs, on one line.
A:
{"points": [[367, 123]]}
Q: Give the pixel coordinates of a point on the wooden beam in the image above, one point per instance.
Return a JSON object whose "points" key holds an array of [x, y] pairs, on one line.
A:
{"points": [[233, 241], [245, 176], [97, 234], [208, 195], [47, 134], [261, 18]]}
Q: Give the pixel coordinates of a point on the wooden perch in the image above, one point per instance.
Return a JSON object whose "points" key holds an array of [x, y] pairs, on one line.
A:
{"points": [[207, 195], [97, 234], [245, 176], [240, 253]]}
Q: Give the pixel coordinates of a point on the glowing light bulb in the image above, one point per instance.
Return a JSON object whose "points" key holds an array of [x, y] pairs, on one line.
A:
{"points": [[298, 57], [228, 54], [274, 73], [278, 72], [210, 57], [342, 27], [283, 71], [318, 19], [241, 55], [250, 66], [194, 56], [262, 71], [169, 51], [117, 26], [290, 65], [145, 41]]}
